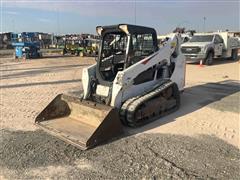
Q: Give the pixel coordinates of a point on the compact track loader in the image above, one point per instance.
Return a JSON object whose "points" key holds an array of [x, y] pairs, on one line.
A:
{"points": [[132, 83]]}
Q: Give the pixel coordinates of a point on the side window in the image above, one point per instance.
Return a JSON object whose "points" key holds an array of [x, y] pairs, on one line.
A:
{"points": [[218, 39], [142, 46]]}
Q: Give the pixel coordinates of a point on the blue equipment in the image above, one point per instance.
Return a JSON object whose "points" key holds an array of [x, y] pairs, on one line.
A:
{"points": [[27, 50], [26, 45]]}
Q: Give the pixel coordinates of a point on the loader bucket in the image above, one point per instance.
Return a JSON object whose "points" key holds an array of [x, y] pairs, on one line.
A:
{"points": [[81, 123]]}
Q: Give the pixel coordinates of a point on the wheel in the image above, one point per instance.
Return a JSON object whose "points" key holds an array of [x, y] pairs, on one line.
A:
{"points": [[234, 56], [209, 59]]}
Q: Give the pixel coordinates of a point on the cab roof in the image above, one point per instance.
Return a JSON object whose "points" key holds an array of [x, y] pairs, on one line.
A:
{"points": [[132, 29]]}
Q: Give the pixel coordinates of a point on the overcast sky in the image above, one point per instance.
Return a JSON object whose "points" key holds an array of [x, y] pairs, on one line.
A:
{"points": [[78, 16]]}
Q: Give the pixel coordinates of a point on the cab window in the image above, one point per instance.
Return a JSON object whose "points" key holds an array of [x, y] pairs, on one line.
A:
{"points": [[142, 46], [218, 39]]}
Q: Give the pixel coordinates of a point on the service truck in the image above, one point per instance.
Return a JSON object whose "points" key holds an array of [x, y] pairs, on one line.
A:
{"points": [[205, 47]]}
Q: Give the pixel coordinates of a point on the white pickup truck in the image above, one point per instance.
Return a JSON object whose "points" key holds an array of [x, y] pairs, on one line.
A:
{"points": [[207, 46]]}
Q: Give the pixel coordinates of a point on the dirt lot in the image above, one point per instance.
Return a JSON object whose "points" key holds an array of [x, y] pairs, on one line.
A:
{"points": [[199, 141]]}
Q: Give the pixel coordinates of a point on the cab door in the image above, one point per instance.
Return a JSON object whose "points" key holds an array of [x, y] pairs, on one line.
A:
{"points": [[218, 45]]}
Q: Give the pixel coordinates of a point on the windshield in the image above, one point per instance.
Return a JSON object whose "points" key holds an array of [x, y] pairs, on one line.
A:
{"points": [[202, 38], [114, 44], [113, 54]]}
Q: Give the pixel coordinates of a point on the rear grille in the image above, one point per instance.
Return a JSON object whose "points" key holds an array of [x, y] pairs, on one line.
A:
{"points": [[190, 50]]}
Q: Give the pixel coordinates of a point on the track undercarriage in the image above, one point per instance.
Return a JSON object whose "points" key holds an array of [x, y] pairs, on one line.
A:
{"points": [[160, 101]]}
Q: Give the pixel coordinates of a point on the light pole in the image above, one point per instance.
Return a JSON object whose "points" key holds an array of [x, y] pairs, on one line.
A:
{"points": [[135, 12], [58, 25], [204, 24]]}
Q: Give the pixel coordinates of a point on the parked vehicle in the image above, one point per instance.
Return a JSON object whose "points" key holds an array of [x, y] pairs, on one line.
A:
{"points": [[73, 47], [207, 46], [91, 47], [81, 47]]}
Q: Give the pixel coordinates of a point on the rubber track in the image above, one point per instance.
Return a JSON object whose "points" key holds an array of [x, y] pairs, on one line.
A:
{"points": [[129, 108]]}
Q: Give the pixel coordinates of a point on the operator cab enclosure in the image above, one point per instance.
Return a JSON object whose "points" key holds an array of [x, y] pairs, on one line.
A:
{"points": [[122, 46]]}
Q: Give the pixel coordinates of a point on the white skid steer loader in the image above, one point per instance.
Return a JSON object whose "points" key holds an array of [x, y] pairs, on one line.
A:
{"points": [[133, 83]]}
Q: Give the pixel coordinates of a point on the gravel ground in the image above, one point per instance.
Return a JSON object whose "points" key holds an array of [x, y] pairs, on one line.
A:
{"points": [[200, 141], [36, 155]]}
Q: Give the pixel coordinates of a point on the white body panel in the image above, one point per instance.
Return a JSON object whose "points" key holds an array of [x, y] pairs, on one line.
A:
{"points": [[86, 75], [178, 75]]}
